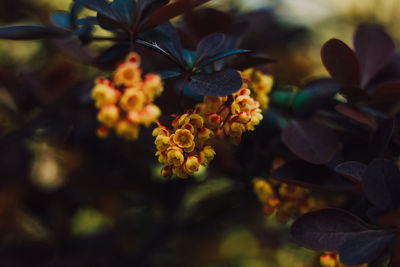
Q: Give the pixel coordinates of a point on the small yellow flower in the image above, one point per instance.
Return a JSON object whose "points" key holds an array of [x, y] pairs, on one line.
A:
{"points": [[162, 142], [196, 120], [190, 127], [206, 155], [128, 74], [205, 134], [149, 114], [214, 121], [190, 149], [244, 117], [153, 85], [175, 156], [104, 94], [132, 99], [234, 129], [179, 121], [162, 157], [183, 138], [192, 164], [263, 190], [128, 130], [243, 103], [161, 130], [109, 115]]}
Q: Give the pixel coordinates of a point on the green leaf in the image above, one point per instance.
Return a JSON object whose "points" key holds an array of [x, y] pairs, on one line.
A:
{"points": [[189, 56], [87, 21], [167, 74], [61, 19]]}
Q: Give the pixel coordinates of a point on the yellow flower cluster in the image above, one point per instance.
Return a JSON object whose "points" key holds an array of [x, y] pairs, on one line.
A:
{"points": [[282, 199], [242, 114], [260, 84], [331, 259], [126, 102], [185, 148]]}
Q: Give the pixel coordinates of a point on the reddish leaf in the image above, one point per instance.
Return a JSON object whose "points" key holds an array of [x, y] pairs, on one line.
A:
{"points": [[381, 138], [197, 21], [326, 229], [351, 169], [341, 63], [310, 141], [317, 177], [381, 184], [252, 60], [356, 114], [365, 246], [387, 92], [375, 48], [170, 11]]}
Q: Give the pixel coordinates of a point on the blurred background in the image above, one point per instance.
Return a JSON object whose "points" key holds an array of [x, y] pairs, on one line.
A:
{"points": [[68, 198]]}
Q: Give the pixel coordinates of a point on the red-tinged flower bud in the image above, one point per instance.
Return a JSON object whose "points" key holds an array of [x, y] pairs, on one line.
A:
{"points": [[167, 171], [214, 121], [103, 131]]}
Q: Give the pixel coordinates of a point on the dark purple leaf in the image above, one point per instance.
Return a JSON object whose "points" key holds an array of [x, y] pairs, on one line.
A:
{"points": [[310, 141], [156, 48], [103, 7], [381, 138], [326, 229], [375, 48], [341, 63], [312, 176], [387, 92], [174, 44], [355, 95], [31, 32], [351, 169], [381, 184], [167, 12], [115, 52], [223, 55], [209, 46], [253, 60], [391, 72], [365, 246], [220, 83], [125, 11], [154, 35], [355, 114]]}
